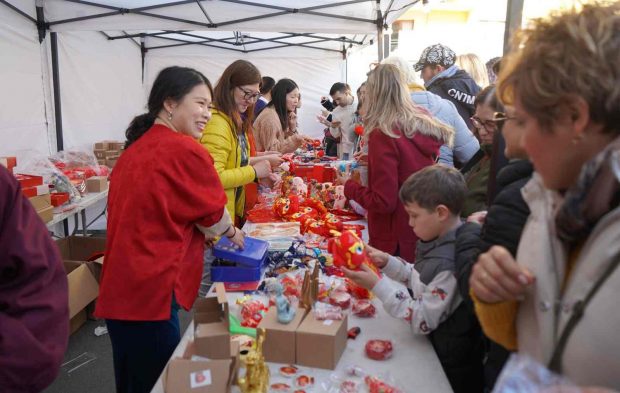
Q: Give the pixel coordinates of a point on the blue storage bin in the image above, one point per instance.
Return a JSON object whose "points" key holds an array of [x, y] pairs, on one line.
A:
{"points": [[252, 255], [233, 265]]}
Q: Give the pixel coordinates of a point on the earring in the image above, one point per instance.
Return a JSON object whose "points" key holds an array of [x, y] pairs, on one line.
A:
{"points": [[169, 115], [577, 139]]}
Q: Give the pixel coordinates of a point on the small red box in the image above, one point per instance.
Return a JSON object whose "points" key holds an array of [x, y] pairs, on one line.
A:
{"points": [[29, 180], [30, 192], [59, 198], [320, 173], [9, 163]]}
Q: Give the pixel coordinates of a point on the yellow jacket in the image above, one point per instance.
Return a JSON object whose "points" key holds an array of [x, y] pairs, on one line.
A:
{"points": [[220, 139]]}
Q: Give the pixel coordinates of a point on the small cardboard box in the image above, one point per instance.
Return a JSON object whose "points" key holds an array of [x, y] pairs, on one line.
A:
{"points": [[279, 346], [46, 214], [41, 202], [320, 344], [101, 161], [111, 162], [111, 154], [97, 184], [101, 146], [79, 248], [30, 192], [212, 335], [187, 375], [99, 153], [116, 146]]}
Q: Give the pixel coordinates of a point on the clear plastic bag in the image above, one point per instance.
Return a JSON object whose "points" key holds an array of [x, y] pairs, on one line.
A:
{"points": [[38, 164], [522, 374]]}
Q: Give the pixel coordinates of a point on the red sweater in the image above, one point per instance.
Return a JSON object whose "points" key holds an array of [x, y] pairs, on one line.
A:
{"points": [[161, 187], [390, 162]]}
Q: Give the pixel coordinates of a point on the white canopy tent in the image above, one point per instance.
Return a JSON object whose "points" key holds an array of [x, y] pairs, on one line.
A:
{"points": [[75, 72]]}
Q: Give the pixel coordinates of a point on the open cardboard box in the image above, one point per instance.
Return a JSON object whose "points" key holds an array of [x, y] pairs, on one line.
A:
{"points": [[83, 286], [330, 336], [279, 345], [212, 334], [193, 374]]}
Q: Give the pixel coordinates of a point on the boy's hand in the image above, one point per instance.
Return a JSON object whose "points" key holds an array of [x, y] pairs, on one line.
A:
{"points": [[478, 217], [365, 277], [378, 257]]}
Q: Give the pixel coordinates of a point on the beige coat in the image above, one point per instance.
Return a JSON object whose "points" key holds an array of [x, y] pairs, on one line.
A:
{"points": [[592, 354], [269, 135]]}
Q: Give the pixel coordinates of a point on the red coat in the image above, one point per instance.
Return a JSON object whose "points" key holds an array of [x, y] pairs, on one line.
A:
{"points": [[390, 162], [161, 187]]}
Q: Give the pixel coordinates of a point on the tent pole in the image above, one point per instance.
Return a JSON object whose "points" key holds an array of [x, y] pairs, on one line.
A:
{"points": [[143, 51], [514, 17], [56, 85]]}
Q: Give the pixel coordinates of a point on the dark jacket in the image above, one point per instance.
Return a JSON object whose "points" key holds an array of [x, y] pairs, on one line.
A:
{"points": [[34, 305], [503, 226], [459, 88]]}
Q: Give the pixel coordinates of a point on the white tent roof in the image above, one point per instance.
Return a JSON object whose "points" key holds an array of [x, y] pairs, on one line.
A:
{"points": [[308, 16]]}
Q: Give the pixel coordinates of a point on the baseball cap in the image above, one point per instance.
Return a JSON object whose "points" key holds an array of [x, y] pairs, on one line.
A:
{"points": [[437, 54]]}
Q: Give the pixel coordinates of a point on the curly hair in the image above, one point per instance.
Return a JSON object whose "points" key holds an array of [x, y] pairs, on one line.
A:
{"points": [[571, 54]]}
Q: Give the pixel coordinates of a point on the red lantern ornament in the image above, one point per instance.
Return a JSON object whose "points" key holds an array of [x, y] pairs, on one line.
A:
{"points": [[348, 251], [320, 153], [359, 130]]}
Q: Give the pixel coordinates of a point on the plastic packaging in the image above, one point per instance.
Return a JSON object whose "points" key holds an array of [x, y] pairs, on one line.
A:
{"points": [[522, 374], [379, 349], [363, 308], [323, 311]]}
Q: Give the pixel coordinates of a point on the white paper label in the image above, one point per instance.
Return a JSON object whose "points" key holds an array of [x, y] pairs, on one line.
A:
{"points": [[196, 358], [199, 379], [328, 322]]}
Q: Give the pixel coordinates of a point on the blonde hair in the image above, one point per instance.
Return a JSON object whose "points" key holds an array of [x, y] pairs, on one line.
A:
{"points": [[403, 65], [474, 67], [389, 106], [570, 54]]}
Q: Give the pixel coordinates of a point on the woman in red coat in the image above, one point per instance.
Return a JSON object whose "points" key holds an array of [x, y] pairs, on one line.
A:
{"points": [[402, 139], [165, 198]]}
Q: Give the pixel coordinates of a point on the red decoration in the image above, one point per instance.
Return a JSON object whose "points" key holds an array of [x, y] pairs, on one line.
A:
{"points": [[280, 387], [286, 206], [353, 332], [252, 313], [359, 130], [288, 371], [348, 251], [363, 308], [320, 153], [340, 299], [375, 385], [379, 349], [303, 381]]}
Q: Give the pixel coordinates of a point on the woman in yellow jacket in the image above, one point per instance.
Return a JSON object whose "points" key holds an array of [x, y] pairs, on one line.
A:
{"points": [[227, 135]]}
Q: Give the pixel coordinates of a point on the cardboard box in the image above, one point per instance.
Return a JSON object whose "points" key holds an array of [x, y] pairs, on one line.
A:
{"points": [[101, 161], [79, 248], [99, 153], [111, 162], [41, 202], [184, 375], [59, 198], [329, 336], [279, 345], [77, 321], [97, 184], [212, 335], [29, 180], [46, 214], [111, 154], [83, 289], [101, 146], [116, 145]]}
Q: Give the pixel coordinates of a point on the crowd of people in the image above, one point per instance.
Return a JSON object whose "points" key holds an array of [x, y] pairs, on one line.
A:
{"points": [[492, 194]]}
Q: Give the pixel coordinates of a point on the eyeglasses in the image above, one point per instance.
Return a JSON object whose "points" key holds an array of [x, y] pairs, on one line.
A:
{"points": [[488, 125], [500, 117], [249, 95]]}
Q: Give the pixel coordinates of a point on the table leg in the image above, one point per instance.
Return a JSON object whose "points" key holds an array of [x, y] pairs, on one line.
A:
{"points": [[84, 229]]}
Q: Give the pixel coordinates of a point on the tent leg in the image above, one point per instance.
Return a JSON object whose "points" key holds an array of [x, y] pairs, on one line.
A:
{"points": [[56, 85], [514, 16]]}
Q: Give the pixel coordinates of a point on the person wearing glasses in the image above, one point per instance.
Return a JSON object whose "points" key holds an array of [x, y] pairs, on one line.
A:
{"points": [[501, 225], [477, 169], [275, 129], [556, 301]]}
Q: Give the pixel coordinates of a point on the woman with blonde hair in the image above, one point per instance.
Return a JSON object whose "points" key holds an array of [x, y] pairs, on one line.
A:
{"points": [[472, 64], [555, 301], [402, 139]]}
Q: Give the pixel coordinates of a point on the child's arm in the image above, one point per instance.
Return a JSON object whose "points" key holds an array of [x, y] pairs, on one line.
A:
{"points": [[433, 303], [398, 270]]}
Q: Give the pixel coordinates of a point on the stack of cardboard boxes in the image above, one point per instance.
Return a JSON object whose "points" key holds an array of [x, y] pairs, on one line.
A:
{"points": [[38, 194], [108, 152]]}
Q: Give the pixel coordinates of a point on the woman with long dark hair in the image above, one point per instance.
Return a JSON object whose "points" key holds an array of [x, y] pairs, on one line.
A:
{"points": [[275, 127], [160, 208]]}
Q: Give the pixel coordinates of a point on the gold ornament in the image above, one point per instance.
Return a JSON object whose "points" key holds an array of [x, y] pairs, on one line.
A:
{"points": [[256, 378]]}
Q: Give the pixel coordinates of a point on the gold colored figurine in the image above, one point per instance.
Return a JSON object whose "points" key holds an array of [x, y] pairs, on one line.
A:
{"points": [[305, 299], [256, 378]]}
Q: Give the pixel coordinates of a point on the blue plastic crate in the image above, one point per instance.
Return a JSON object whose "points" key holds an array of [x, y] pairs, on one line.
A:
{"points": [[253, 254]]}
